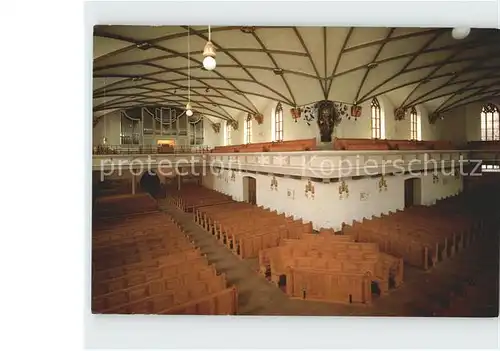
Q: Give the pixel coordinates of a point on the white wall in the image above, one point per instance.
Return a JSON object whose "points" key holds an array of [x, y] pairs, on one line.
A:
{"points": [[446, 185], [459, 125], [210, 137], [454, 126], [301, 130], [109, 126], [473, 121], [348, 128], [463, 123], [400, 130], [327, 209]]}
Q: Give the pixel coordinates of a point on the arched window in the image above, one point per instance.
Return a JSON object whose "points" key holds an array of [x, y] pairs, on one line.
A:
{"points": [[248, 130], [278, 123], [376, 120], [414, 124], [228, 130], [490, 124]]}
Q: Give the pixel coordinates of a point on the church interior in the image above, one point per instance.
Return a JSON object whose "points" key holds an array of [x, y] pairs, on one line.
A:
{"points": [[314, 171]]}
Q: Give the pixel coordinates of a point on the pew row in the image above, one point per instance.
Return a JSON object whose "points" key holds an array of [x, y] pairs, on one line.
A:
{"points": [[246, 229], [422, 235], [276, 146], [331, 260], [192, 196], [144, 263], [387, 144]]}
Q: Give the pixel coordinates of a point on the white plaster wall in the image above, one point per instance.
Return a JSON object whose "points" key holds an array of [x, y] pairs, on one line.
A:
{"points": [[459, 125], [109, 126], [327, 209], [448, 129], [473, 121], [224, 184], [453, 125], [210, 137], [400, 130], [446, 186], [463, 123]]}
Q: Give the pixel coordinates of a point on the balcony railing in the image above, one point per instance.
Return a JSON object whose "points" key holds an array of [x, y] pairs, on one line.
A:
{"points": [[149, 149]]}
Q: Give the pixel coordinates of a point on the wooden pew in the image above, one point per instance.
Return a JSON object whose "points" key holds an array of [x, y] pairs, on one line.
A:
{"points": [[483, 145], [277, 146], [423, 236], [123, 205], [145, 263], [360, 144], [333, 258]]}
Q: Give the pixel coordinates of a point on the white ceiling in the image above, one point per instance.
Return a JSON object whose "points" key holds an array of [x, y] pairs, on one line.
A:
{"points": [[412, 66]]}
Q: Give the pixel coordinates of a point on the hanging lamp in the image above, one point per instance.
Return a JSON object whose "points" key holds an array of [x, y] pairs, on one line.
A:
{"points": [[209, 62], [104, 138], [189, 109], [460, 33]]}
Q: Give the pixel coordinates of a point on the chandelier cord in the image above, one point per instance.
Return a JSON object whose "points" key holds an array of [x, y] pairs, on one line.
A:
{"points": [[189, 66], [104, 119], [209, 34]]}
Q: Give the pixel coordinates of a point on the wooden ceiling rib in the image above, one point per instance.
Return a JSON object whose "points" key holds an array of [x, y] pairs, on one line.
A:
{"points": [[470, 64]]}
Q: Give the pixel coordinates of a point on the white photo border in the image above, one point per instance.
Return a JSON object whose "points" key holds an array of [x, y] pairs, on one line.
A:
{"points": [[277, 332]]}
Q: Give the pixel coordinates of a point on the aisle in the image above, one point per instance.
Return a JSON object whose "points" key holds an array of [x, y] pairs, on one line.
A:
{"points": [[256, 295]]}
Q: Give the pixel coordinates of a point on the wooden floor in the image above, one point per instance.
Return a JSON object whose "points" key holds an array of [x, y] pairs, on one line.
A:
{"points": [[421, 293]]}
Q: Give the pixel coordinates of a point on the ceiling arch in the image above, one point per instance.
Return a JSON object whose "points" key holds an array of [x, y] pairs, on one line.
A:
{"points": [[143, 65]]}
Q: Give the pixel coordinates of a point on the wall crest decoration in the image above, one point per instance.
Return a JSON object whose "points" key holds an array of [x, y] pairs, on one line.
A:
{"points": [[259, 117], [355, 112], [382, 184], [220, 174], [274, 183], [435, 178], [433, 117], [343, 190], [309, 113], [309, 190], [296, 113], [400, 113], [342, 110], [328, 115], [216, 127], [249, 117], [234, 124]]}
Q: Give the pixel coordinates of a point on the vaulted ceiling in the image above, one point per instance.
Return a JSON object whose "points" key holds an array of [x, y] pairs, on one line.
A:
{"points": [[148, 65]]}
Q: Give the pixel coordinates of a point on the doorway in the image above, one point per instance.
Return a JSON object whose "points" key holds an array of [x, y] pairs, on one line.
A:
{"points": [[282, 282], [375, 289], [150, 183], [412, 192], [250, 190]]}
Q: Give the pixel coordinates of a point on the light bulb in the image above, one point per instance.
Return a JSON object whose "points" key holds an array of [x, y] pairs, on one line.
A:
{"points": [[209, 63], [189, 113], [460, 33]]}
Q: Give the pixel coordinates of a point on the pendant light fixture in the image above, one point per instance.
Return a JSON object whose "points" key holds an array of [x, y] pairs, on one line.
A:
{"points": [[189, 111], [105, 119], [209, 53], [460, 33]]}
